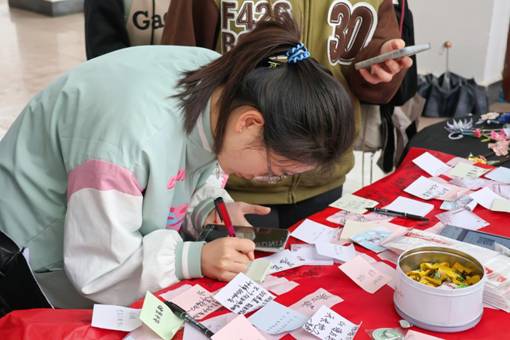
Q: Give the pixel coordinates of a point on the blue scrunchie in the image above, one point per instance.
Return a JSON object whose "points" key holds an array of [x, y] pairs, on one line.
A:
{"points": [[297, 53]]}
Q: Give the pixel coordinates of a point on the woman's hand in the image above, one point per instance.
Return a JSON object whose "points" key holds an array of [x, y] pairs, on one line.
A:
{"points": [[224, 258], [237, 210], [384, 72]]}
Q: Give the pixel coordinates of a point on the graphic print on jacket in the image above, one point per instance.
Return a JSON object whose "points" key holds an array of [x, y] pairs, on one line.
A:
{"points": [[181, 176], [176, 216], [352, 26]]}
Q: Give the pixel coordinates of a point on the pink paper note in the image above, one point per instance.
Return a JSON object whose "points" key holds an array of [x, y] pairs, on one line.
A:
{"points": [[283, 288], [312, 302], [240, 325], [197, 302], [364, 274], [174, 292]]}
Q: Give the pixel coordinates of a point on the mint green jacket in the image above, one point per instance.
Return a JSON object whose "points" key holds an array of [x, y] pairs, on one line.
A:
{"points": [[98, 177]]}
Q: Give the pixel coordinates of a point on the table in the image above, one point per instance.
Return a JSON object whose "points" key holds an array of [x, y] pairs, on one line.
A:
{"points": [[435, 137], [374, 310]]}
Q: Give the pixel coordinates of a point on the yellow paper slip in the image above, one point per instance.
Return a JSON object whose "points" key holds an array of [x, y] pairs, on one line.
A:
{"points": [[159, 317]]}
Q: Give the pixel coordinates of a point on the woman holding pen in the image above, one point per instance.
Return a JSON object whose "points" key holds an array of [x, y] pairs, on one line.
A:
{"points": [[106, 168]]}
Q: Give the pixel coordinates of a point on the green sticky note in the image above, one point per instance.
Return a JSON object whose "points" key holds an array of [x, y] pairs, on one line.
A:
{"points": [[257, 270], [159, 318]]}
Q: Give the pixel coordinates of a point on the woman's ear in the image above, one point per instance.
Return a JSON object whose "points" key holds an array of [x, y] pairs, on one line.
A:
{"points": [[249, 118]]}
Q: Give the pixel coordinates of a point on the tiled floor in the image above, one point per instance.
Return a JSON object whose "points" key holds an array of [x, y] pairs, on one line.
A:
{"points": [[36, 49]]}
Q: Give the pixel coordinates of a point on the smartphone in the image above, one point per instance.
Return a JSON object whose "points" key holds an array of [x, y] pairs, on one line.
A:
{"points": [[270, 240], [402, 52], [478, 238]]}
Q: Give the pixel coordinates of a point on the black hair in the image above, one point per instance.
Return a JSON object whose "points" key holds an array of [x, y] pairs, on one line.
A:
{"points": [[308, 115]]}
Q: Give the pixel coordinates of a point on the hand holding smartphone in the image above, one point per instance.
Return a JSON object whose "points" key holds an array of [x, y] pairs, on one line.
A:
{"points": [[401, 52]]}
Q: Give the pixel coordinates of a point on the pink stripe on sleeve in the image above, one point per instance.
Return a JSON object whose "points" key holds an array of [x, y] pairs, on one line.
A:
{"points": [[101, 175]]}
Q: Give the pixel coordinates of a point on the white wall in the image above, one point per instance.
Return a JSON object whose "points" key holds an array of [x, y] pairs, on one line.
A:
{"points": [[477, 29]]}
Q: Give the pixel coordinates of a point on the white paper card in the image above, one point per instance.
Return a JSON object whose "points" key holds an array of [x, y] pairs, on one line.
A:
{"points": [[353, 203], [388, 271], [471, 184], [457, 204], [500, 174], [501, 204], [484, 197], [307, 255], [426, 189], [431, 164], [502, 190], [243, 295], [364, 274], [407, 205], [312, 232], [464, 170], [463, 218], [353, 228], [115, 317], [389, 256], [282, 260], [340, 217], [275, 318], [335, 251], [327, 324]]}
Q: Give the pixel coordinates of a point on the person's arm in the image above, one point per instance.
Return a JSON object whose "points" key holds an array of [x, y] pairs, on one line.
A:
{"points": [[201, 209], [387, 29], [106, 257], [192, 23], [105, 29]]}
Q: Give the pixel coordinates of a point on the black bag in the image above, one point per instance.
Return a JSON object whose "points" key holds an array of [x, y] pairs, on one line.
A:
{"points": [[18, 287], [451, 95], [409, 85]]}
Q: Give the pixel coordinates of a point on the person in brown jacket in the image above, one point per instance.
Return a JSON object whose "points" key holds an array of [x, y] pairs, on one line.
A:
{"points": [[338, 33]]}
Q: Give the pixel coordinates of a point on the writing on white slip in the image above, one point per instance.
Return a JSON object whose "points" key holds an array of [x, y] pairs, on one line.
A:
{"points": [[115, 317], [283, 260], [426, 189], [243, 295], [197, 302], [327, 324], [462, 218], [275, 318]]}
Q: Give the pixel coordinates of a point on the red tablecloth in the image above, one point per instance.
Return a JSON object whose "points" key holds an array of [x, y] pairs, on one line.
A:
{"points": [[374, 310]]}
